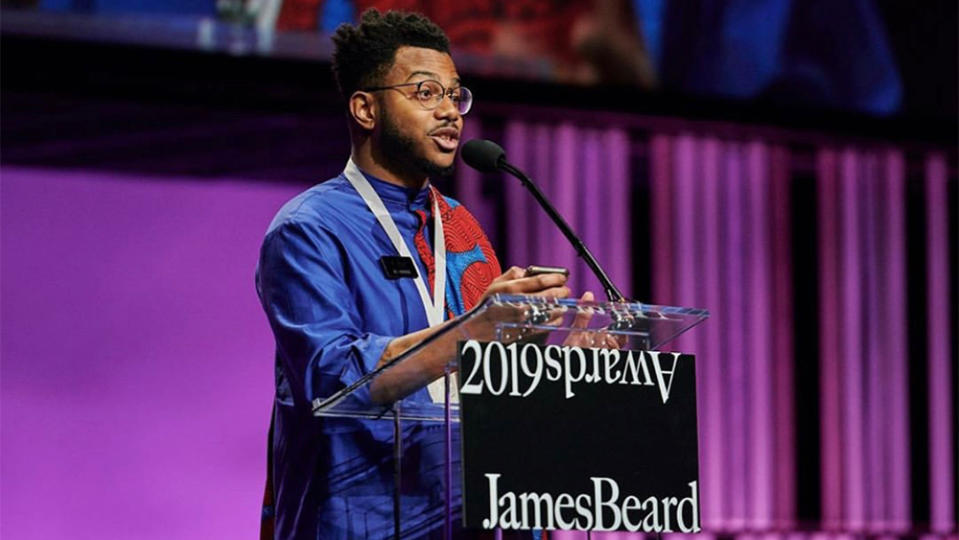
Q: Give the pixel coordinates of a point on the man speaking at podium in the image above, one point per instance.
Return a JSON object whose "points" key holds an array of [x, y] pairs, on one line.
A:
{"points": [[359, 268]]}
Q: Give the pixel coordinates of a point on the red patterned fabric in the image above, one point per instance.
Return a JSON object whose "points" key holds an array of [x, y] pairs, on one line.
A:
{"points": [[539, 28], [471, 262]]}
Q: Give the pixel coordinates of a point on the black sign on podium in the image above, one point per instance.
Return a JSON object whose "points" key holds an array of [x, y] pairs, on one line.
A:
{"points": [[585, 438], [553, 414]]}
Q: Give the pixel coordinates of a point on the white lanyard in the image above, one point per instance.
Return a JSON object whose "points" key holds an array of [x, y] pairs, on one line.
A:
{"points": [[435, 308]]}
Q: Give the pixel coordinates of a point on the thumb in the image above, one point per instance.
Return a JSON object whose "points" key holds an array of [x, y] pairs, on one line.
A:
{"points": [[514, 272], [583, 316]]}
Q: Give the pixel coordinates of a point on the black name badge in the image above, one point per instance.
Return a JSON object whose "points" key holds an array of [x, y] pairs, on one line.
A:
{"points": [[574, 438], [398, 267]]}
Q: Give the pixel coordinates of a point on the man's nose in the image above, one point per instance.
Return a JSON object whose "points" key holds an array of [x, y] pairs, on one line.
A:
{"points": [[447, 108]]}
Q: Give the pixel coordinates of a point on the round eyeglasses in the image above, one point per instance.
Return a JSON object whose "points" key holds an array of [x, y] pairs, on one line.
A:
{"points": [[430, 94]]}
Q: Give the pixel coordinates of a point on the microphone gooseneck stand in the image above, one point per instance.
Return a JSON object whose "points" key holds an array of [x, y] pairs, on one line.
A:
{"points": [[612, 292], [487, 156]]}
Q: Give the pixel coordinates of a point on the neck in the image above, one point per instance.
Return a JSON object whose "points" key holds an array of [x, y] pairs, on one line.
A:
{"points": [[375, 163]]}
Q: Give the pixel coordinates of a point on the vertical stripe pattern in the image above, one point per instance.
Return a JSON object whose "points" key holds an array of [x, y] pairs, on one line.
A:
{"points": [[722, 238]]}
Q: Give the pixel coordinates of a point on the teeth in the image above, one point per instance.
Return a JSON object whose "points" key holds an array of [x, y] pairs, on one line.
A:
{"points": [[446, 139]]}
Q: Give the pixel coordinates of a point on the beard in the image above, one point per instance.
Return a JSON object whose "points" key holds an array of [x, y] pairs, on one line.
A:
{"points": [[401, 150]]}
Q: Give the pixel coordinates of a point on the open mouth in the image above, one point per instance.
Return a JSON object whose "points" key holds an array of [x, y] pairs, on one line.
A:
{"points": [[447, 139]]}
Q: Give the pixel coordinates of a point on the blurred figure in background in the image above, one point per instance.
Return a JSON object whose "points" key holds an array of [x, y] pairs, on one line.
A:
{"points": [[586, 42], [824, 53], [809, 52], [819, 53]]}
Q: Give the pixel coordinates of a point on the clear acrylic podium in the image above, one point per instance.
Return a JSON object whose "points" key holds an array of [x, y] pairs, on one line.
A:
{"points": [[425, 439]]}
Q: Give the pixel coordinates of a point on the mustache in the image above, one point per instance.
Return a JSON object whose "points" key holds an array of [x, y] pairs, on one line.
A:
{"points": [[443, 128]]}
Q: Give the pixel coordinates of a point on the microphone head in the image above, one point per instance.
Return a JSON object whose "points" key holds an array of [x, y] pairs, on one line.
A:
{"points": [[483, 155]]}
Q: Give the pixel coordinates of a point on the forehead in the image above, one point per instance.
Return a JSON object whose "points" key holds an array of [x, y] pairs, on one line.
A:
{"points": [[410, 61]]}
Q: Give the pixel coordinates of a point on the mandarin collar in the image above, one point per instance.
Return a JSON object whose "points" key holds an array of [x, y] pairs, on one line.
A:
{"points": [[392, 193]]}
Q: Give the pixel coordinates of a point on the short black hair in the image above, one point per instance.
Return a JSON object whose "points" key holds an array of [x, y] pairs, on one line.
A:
{"points": [[365, 52]]}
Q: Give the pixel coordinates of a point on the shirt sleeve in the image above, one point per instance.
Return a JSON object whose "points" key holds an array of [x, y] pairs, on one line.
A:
{"points": [[321, 345]]}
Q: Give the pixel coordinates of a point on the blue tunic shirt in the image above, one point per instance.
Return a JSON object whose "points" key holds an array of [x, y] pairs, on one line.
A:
{"points": [[333, 312]]}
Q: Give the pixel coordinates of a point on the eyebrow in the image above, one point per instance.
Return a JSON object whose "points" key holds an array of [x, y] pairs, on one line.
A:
{"points": [[456, 80], [426, 73]]}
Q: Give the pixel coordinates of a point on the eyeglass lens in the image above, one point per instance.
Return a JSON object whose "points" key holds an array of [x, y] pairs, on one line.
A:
{"points": [[431, 94]]}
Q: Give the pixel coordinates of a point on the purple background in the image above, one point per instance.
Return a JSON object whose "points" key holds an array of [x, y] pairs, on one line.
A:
{"points": [[137, 363]]}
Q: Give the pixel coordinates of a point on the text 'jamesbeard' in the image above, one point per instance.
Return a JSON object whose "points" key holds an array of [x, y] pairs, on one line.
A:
{"points": [[520, 368], [600, 510]]}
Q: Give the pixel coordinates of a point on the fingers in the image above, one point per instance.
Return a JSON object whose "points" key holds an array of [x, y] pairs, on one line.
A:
{"points": [[602, 340], [512, 273], [552, 292], [501, 284], [584, 316], [581, 320], [595, 339], [530, 285], [513, 281], [581, 336]]}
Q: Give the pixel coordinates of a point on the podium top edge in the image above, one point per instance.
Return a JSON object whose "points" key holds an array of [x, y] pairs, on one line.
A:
{"points": [[631, 306]]}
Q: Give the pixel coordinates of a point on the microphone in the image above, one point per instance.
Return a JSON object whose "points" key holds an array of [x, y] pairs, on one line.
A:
{"points": [[487, 156], [484, 156]]}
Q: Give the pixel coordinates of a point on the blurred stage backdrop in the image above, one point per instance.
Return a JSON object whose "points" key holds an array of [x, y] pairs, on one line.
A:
{"points": [[806, 196]]}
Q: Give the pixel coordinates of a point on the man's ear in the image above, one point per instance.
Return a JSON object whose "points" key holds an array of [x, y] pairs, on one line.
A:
{"points": [[363, 109]]}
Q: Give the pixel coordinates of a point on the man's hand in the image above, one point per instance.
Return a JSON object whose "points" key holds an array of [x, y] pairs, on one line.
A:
{"points": [[403, 379], [514, 281], [598, 338]]}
